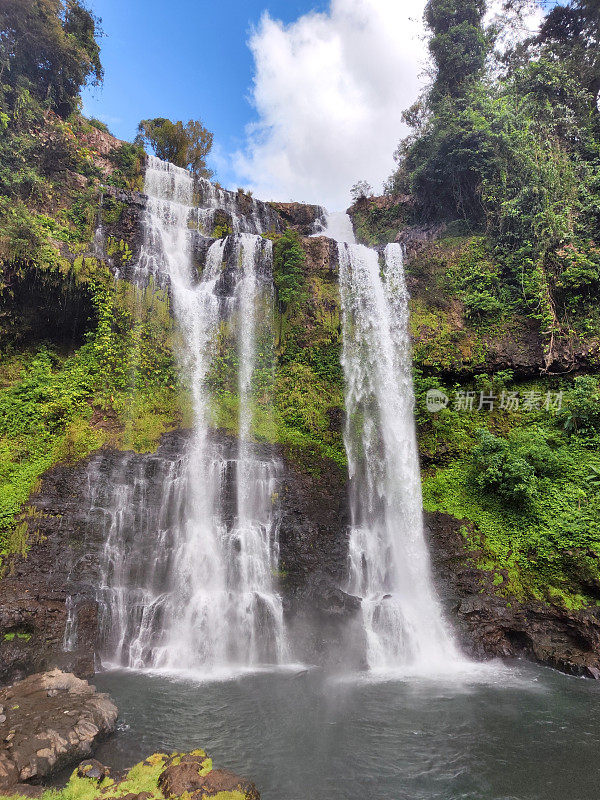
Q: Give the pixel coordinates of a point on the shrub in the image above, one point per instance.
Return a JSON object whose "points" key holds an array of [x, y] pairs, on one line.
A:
{"points": [[498, 469], [288, 270], [581, 414]]}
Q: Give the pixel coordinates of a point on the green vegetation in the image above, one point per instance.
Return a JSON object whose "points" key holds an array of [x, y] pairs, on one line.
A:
{"points": [[128, 161], [514, 153], [458, 46], [297, 388], [120, 387], [289, 263], [308, 395], [186, 145], [504, 159], [378, 224], [505, 162], [142, 778], [525, 487], [48, 49]]}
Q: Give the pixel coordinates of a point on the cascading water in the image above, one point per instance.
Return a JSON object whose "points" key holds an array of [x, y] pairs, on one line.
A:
{"points": [[192, 541], [389, 560]]}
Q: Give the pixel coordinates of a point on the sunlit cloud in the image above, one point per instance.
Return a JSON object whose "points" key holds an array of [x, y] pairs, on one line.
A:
{"points": [[329, 91]]}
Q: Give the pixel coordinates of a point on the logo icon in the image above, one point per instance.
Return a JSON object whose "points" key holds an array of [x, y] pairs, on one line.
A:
{"points": [[436, 400]]}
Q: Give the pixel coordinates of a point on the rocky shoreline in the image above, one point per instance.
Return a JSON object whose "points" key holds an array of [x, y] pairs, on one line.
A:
{"points": [[489, 625], [48, 722]]}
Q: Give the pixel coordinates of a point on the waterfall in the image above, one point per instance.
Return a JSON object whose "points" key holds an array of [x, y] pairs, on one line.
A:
{"points": [[70, 635], [191, 541], [389, 560]]}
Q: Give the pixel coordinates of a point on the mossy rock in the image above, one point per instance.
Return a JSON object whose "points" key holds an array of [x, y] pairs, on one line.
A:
{"points": [[160, 776]]}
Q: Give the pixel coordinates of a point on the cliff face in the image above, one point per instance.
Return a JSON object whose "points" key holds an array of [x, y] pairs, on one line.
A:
{"points": [[518, 557], [518, 571], [51, 595]]}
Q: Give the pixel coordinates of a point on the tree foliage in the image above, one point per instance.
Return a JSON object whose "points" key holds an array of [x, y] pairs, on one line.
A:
{"points": [[514, 152], [458, 45], [185, 146], [571, 33], [50, 48], [289, 262], [361, 189]]}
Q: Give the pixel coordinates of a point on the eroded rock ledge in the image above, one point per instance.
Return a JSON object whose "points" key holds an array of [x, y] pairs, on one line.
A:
{"points": [[48, 721], [490, 625]]}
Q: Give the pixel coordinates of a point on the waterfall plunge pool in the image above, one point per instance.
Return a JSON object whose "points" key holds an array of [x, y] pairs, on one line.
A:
{"points": [[518, 733]]}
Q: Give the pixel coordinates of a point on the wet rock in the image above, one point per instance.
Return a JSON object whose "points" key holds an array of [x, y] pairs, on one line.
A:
{"points": [[126, 227], [64, 559], [93, 769], [305, 219], [35, 592], [193, 775], [491, 626], [53, 719], [186, 776]]}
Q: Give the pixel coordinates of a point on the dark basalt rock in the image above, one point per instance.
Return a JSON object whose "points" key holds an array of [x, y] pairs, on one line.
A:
{"points": [[187, 775], [52, 719], [322, 619], [306, 219], [491, 626], [66, 551], [93, 769], [34, 592], [313, 538], [183, 777], [220, 780], [194, 776]]}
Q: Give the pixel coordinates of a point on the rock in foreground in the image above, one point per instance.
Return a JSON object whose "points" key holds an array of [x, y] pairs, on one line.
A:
{"points": [[189, 776], [193, 775], [48, 721]]}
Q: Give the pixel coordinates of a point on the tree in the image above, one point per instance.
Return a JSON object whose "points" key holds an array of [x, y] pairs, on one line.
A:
{"points": [[50, 48], [185, 146], [444, 162], [361, 189], [458, 45], [572, 32]]}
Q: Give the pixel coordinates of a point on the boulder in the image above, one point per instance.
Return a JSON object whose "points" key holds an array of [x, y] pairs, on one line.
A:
{"points": [[52, 719], [93, 769], [220, 780], [185, 776], [193, 775]]}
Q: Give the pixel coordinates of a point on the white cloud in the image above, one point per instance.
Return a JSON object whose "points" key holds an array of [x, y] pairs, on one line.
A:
{"points": [[330, 90]]}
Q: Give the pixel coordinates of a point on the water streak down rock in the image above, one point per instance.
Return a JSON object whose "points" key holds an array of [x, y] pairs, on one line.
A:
{"points": [[192, 588], [389, 561]]}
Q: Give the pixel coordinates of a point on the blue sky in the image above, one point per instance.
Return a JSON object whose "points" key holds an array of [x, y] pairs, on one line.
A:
{"points": [[304, 97], [182, 59]]}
